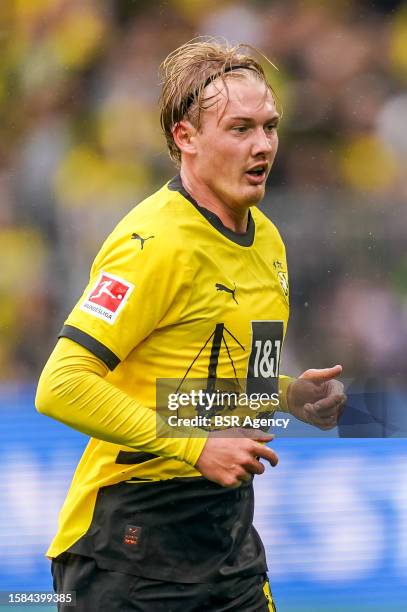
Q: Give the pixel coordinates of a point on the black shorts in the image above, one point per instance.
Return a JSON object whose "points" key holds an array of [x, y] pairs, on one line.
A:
{"points": [[99, 590]]}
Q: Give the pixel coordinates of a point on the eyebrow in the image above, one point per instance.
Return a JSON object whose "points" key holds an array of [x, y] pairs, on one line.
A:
{"points": [[274, 118]]}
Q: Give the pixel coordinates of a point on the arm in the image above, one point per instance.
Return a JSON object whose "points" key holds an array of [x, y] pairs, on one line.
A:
{"points": [[72, 389]]}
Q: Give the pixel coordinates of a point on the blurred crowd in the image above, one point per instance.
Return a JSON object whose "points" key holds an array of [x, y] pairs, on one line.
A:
{"points": [[80, 144]]}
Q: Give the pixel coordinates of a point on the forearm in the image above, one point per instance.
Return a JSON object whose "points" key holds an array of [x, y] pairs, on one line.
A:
{"points": [[72, 389]]}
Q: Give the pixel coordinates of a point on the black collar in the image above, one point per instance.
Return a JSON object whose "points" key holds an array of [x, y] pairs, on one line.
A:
{"points": [[245, 239]]}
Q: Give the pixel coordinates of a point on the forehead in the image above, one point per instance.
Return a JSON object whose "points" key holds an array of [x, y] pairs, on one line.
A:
{"points": [[240, 96]]}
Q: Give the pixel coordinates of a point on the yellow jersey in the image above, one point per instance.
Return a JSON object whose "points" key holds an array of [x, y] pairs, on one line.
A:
{"points": [[172, 294]]}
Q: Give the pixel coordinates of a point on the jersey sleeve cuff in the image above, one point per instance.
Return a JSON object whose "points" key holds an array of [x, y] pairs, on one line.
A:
{"points": [[283, 384], [193, 449], [94, 346]]}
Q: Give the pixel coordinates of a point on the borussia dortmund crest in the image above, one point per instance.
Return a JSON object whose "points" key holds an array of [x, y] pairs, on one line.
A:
{"points": [[282, 277]]}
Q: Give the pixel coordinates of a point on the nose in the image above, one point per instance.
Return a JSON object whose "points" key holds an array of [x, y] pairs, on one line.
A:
{"points": [[263, 142]]}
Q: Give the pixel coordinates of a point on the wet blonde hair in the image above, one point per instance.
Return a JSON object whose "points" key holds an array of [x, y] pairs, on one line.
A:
{"points": [[187, 71]]}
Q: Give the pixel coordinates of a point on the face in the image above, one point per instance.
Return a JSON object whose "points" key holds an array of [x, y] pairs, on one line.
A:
{"points": [[235, 146]]}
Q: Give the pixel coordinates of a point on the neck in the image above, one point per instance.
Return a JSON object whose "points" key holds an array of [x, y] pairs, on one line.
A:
{"points": [[232, 218]]}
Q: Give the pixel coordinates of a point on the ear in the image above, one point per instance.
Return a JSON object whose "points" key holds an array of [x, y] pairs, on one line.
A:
{"points": [[184, 134]]}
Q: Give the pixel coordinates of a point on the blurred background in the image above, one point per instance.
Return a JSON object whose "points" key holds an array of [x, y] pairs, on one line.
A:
{"points": [[80, 145]]}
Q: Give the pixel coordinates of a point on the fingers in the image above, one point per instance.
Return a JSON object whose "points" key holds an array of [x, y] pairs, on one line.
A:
{"points": [[257, 435], [243, 472], [329, 405], [257, 467], [322, 422], [230, 462], [250, 468], [266, 453], [239, 473], [243, 432], [325, 412], [322, 375]]}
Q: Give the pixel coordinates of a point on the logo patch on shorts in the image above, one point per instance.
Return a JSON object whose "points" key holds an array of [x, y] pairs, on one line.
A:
{"points": [[132, 535], [107, 297]]}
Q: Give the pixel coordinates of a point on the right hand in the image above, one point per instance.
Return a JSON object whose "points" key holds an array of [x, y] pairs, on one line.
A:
{"points": [[231, 460]]}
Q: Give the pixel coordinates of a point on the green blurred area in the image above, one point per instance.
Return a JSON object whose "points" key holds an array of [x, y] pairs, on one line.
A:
{"points": [[80, 145]]}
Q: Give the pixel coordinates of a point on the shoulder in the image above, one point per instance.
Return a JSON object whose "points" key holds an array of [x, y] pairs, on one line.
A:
{"points": [[265, 228], [158, 211], [151, 229]]}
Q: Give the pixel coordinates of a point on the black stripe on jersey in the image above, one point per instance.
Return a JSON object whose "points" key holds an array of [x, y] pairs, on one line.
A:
{"points": [[130, 458], [214, 358], [90, 343], [245, 239]]}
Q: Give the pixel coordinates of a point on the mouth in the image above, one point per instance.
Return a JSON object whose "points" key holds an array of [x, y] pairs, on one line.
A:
{"points": [[257, 174]]}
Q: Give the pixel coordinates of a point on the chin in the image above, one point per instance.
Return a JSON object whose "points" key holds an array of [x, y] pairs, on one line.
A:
{"points": [[255, 194]]}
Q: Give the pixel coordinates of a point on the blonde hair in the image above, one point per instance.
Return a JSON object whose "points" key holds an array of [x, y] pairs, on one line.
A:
{"points": [[187, 71]]}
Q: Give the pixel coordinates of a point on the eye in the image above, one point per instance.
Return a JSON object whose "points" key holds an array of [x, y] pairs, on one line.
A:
{"points": [[271, 126], [240, 129]]}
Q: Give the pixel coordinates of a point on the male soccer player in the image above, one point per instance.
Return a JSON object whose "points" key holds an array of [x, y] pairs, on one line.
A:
{"points": [[192, 284]]}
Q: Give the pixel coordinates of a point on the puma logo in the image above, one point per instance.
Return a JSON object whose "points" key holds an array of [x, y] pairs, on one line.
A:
{"points": [[220, 287], [142, 240]]}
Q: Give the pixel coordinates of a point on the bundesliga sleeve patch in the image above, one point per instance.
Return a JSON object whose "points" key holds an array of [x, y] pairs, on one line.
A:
{"points": [[107, 297]]}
